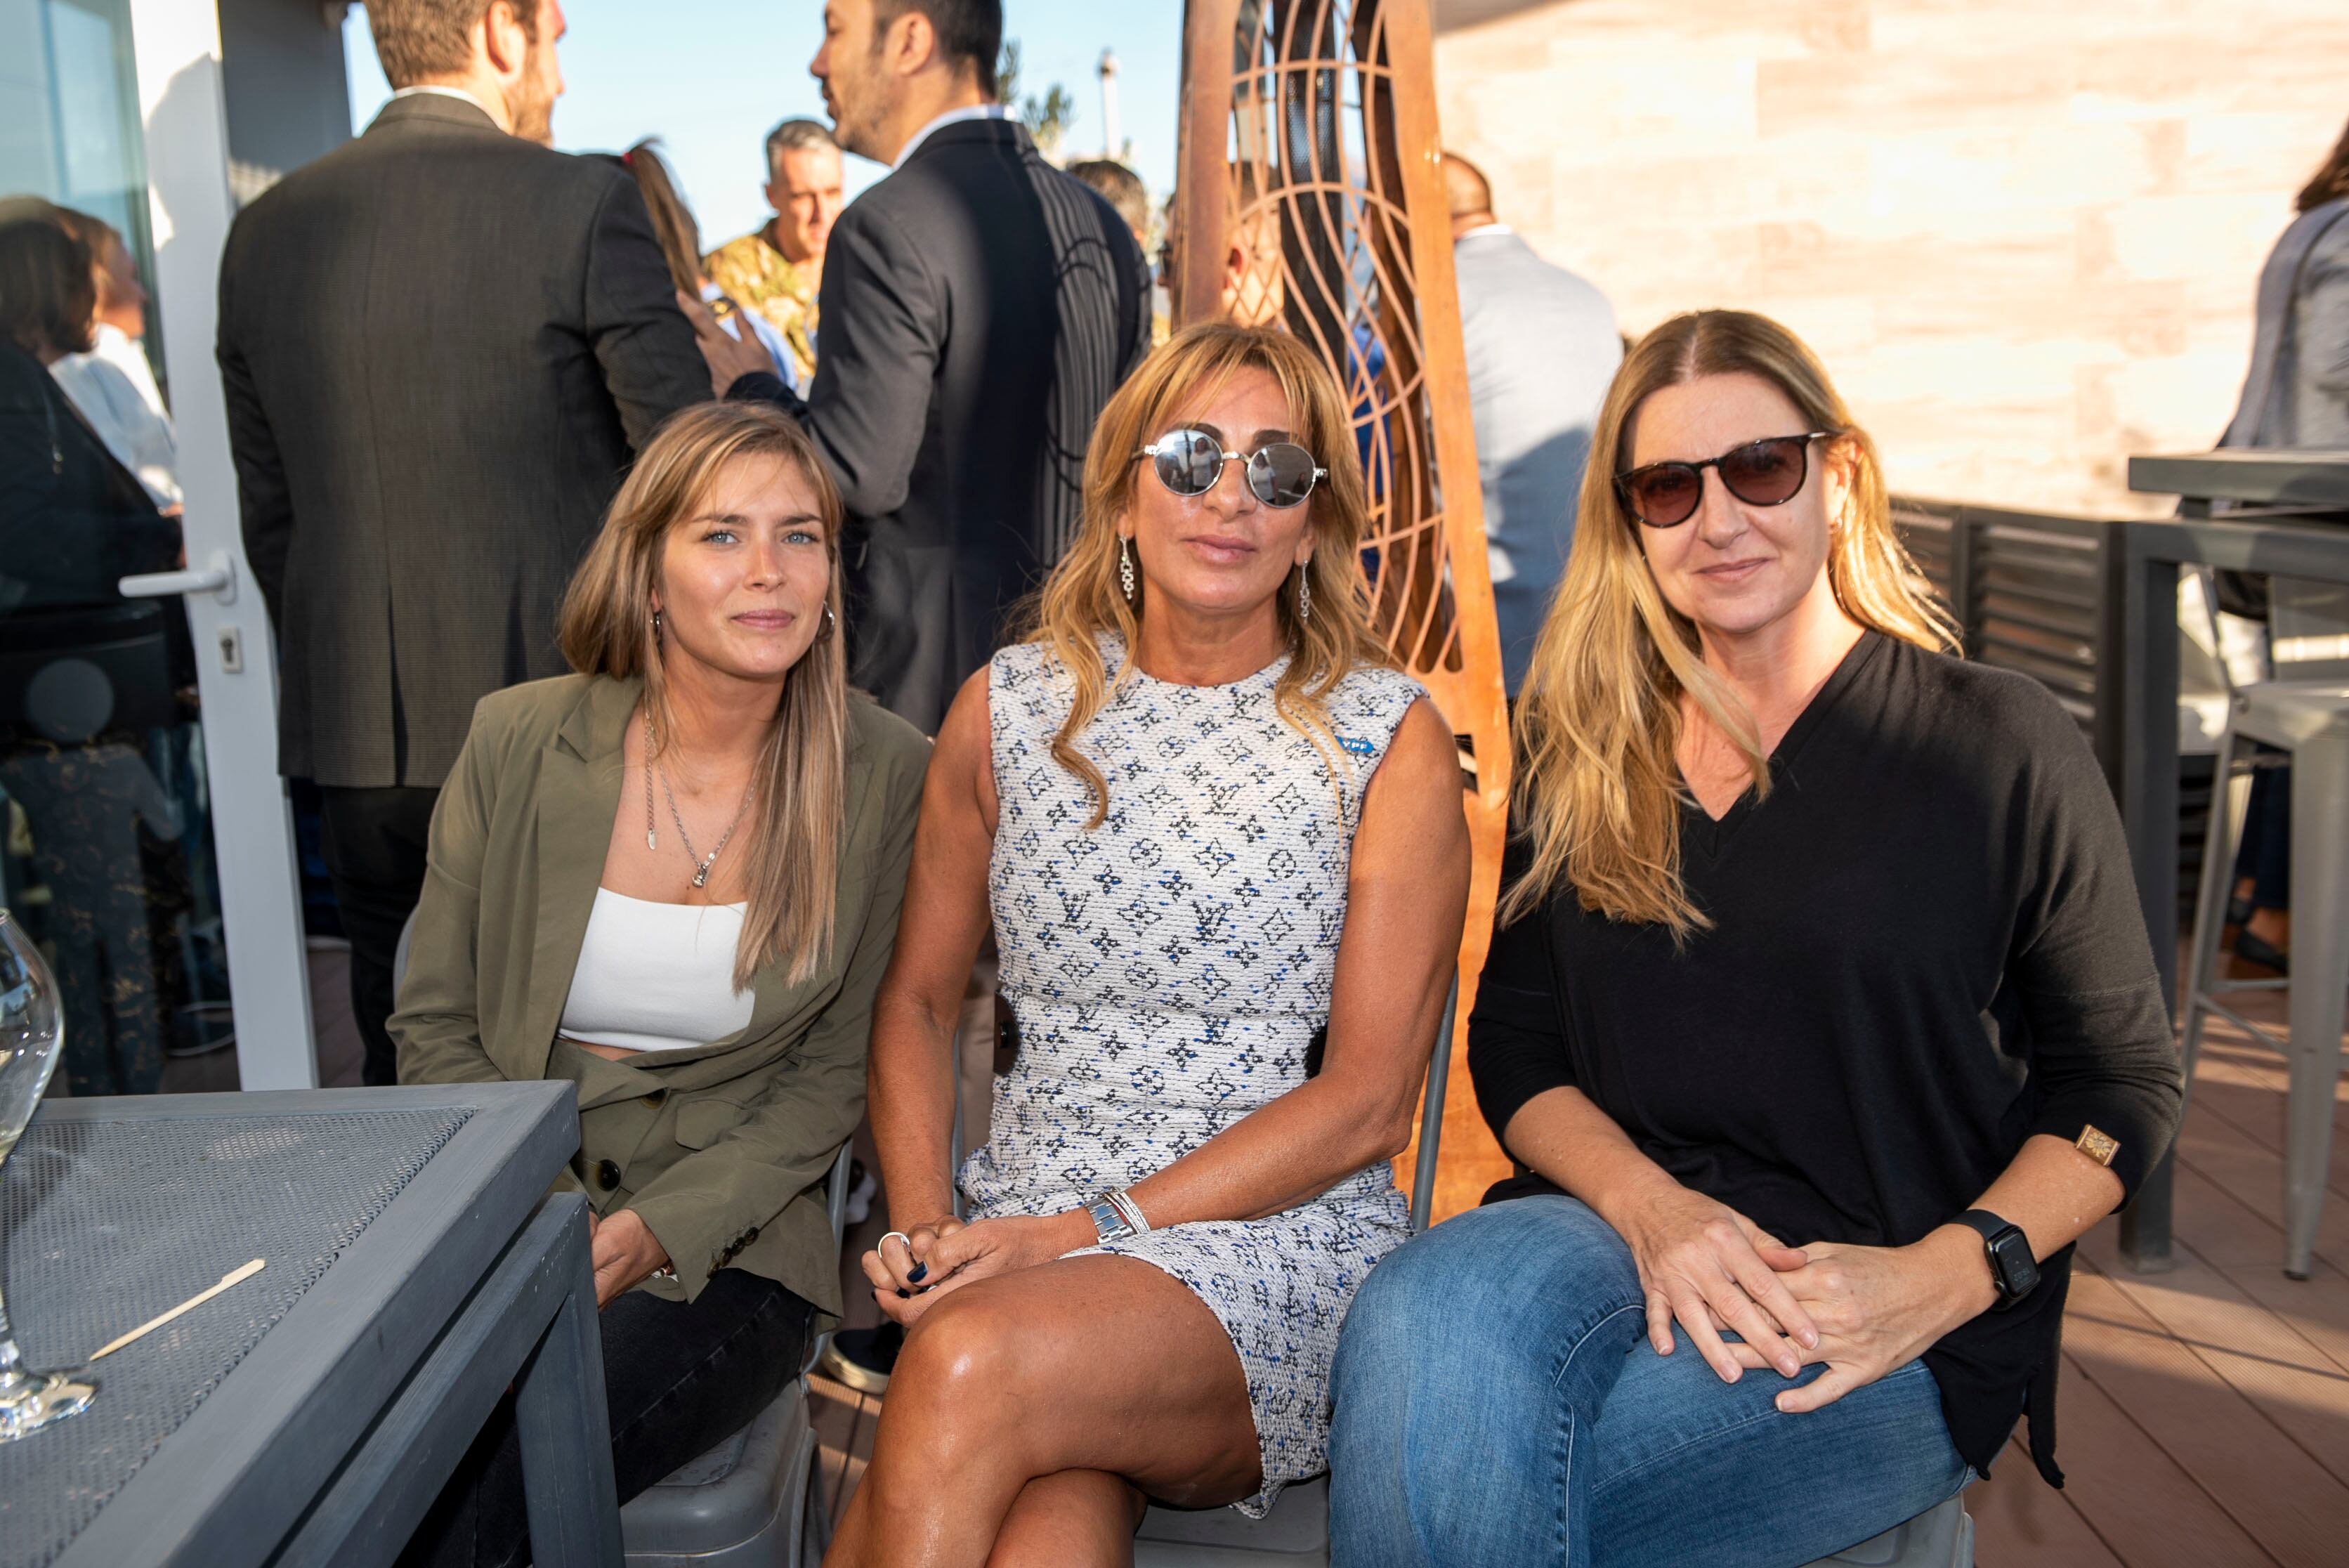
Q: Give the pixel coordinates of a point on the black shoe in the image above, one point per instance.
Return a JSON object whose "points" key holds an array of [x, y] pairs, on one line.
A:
{"points": [[863, 1358], [2252, 950]]}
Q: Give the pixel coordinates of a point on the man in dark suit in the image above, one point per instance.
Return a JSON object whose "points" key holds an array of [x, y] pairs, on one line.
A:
{"points": [[441, 343], [978, 308]]}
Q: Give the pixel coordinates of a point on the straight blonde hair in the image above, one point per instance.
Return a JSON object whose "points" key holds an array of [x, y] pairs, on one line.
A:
{"points": [[799, 790], [1083, 596], [1597, 726]]}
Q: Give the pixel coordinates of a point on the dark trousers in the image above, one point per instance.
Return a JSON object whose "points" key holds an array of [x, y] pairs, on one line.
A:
{"points": [[2265, 856], [373, 840], [680, 1378]]}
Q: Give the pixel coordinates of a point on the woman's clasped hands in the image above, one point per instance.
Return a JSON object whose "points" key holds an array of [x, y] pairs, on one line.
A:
{"points": [[1748, 1301], [912, 1268]]}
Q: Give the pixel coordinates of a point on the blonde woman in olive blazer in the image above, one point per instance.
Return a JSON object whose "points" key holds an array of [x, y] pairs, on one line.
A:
{"points": [[601, 839]]}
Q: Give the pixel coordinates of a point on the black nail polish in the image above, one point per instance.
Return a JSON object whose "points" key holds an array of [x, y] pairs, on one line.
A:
{"points": [[903, 1294], [917, 1274]]}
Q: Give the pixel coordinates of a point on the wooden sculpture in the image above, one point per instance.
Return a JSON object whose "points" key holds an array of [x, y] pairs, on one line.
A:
{"points": [[1308, 142]]}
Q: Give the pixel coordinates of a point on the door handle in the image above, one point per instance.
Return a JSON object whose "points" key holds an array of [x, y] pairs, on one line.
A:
{"points": [[218, 579]]}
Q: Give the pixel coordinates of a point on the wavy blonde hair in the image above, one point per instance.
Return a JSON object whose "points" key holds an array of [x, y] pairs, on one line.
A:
{"points": [[1597, 726], [1082, 597], [799, 790]]}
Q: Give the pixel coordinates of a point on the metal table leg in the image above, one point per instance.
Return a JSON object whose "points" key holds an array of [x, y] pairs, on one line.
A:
{"points": [[2149, 791], [531, 1323]]}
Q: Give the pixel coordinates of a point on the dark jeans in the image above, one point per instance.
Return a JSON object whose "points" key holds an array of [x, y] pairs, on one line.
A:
{"points": [[679, 1377], [374, 843]]}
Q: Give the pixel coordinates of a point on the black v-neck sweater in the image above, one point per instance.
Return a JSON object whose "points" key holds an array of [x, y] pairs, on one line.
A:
{"points": [[1926, 947]]}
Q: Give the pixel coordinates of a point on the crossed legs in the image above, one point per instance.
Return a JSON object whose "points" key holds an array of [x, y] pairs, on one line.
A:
{"points": [[1030, 1414], [1497, 1403]]}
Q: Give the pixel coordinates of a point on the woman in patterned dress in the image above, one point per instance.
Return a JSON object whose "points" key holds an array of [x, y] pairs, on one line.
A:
{"points": [[1219, 841]]}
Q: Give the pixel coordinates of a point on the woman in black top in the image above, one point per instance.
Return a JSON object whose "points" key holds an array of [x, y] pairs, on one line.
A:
{"points": [[72, 519], [1820, 1006]]}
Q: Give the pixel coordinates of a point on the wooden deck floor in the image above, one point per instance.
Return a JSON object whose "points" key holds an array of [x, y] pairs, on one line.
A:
{"points": [[2204, 1412]]}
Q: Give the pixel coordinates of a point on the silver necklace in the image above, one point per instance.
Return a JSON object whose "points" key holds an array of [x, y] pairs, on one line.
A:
{"points": [[702, 863]]}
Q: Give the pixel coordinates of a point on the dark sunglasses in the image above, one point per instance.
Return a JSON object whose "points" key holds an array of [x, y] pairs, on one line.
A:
{"points": [[1279, 473], [1767, 473]]}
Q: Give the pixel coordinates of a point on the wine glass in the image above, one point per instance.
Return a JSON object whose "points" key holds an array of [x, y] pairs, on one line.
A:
{"points": [[31, 1029]]}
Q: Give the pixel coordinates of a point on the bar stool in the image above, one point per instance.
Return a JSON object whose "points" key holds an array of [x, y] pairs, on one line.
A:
{"points": [[2310, 720]]}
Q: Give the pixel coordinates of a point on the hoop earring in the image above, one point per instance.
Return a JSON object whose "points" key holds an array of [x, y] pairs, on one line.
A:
{"points": [[1125, 568], [1304, 593]]}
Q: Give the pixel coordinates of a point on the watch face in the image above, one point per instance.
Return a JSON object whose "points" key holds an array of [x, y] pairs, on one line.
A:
{"points": [[2018, 1272]]}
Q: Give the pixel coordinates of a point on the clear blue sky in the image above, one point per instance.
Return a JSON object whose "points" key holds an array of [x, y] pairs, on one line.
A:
{"points": [[711, 76]]}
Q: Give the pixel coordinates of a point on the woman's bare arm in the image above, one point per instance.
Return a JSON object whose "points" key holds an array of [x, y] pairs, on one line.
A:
{"points": [[910, 1072], [1406, 895]]}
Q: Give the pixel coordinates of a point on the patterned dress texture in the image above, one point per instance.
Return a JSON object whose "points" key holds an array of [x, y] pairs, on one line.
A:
{"points": [[1170, 970]]}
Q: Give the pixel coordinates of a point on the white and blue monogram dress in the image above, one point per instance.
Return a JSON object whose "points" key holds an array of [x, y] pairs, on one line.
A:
{"points": [[1169, 970]]}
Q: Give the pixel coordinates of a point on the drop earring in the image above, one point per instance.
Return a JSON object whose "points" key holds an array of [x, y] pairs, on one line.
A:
{"points": [[1304, 593], [1125, 568], [656, 626]]}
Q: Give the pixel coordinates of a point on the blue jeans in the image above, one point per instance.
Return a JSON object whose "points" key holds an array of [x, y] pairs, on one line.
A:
{"points": [[1498, 1403]]}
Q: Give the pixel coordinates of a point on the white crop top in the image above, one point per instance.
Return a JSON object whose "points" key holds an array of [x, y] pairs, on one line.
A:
{"points": [[656, 977]]}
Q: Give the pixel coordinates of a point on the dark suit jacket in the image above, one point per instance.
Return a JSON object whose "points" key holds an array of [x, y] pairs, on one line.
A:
{"points": [[978, 308], [440, 346]]}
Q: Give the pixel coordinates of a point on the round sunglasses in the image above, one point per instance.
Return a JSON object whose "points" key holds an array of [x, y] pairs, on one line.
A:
{"points": [[1766, 472], [1189, 462]]}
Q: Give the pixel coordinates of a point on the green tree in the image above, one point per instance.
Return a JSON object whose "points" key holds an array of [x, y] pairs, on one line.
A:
{"points": [[1048, 119]]}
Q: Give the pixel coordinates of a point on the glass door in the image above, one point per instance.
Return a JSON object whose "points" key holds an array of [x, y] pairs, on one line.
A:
{"points": [[144, 840]]}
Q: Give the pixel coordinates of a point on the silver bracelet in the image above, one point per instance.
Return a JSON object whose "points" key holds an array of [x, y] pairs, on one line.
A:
{"points": [[1123, 1198]]}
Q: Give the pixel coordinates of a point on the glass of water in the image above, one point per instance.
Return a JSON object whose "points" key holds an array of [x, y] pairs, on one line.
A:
{"points": [[31, 1031]]}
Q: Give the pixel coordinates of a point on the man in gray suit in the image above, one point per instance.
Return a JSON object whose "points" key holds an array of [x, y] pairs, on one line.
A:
{"points": [[441, 343], [978, 308], [1542, 348]]}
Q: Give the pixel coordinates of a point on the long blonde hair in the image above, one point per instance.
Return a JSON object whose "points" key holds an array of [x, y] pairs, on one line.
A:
{"points": [[1597, 726], [1083, 596], [799, 790]]}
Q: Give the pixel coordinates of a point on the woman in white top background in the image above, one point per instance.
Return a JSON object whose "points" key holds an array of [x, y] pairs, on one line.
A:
{"points": [[674, 880], [112, 385]]}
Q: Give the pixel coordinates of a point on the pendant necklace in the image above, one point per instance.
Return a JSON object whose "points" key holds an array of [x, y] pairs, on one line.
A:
{"points": [[702, 863]]}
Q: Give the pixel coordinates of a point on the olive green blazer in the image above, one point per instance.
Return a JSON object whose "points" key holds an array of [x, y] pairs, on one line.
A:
{"points": [[722, 1149]]}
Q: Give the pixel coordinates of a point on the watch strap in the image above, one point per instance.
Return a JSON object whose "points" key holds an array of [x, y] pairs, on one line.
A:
{"points": [[1992, 1228]]}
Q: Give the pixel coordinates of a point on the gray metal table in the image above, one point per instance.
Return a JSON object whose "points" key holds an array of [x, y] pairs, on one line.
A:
{"points": [[2275, 534], [417, 1269]]}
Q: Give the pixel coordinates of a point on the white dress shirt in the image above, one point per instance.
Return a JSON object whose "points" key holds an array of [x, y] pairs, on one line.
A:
{"points": [[114, 388]]}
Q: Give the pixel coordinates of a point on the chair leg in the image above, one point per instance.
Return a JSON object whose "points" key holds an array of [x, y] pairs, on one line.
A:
{"points": [[2211, 903], [2320, 975]]}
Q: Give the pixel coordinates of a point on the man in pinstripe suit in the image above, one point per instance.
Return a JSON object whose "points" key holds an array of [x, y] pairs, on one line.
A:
{"points": [[978, 307]]}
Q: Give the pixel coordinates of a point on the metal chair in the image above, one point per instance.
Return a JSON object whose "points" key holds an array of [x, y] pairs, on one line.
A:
{"points": [[746, 1503], [1940, 1537], [2308, 720]]}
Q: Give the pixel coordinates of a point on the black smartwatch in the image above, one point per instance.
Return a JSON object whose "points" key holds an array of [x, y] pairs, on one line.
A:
{"points": [[2011, 1267]]}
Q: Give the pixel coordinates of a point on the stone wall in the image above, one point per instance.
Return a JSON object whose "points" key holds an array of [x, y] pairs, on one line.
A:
{"points": [[2024, 236]]}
